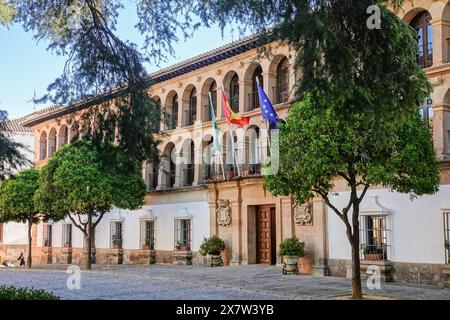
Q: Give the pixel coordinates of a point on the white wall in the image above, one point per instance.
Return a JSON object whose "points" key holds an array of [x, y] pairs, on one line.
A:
{"points": [[416, 226], [27, 139], [164, 216]]}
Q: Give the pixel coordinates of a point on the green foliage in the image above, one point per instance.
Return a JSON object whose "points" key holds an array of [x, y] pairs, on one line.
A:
{"points": [[7, 12], [17, 197], [214, 246], [292, 247], [318, 144], [82, 178], [13, 293], [11, 153]]}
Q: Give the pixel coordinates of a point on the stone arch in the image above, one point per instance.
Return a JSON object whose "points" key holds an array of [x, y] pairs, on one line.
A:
{"points": [[279, 79], [51, 142], [231, 87], [74, 132], [210, 85], [170, 111], [189, 105], [43, 146], [169, 165], [208, 161], [229, 156], [187, 157], [63, 136], [252, 151], [253, 71]]}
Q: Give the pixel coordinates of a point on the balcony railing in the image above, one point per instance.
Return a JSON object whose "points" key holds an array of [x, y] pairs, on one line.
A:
{"points": [[188, 175], [253, 101], [190, 116], [280, 93]]}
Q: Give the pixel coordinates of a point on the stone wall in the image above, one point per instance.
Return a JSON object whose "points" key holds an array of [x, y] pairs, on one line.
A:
{"points": [[11, 252], [418, 273], [107, 256]]}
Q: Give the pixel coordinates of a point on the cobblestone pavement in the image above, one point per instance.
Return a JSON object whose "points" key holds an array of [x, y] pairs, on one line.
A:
{"points": [[253, 282]]}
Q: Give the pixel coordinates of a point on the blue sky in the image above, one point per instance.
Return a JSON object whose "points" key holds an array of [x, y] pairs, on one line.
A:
{"points": [[26, 66]]}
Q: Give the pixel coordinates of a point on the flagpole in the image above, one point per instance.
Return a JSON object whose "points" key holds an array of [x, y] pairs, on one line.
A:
{"points": [[215, 134], [265, 121], [232, 137]]}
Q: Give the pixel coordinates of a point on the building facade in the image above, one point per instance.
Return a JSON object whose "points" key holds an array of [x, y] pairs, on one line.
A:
{"points": [[191, 195]]}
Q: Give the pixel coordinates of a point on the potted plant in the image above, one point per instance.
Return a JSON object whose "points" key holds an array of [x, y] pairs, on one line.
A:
{"points": [[213, 247], [117, 242], [372, 253], [290, 250], [229, 171]]}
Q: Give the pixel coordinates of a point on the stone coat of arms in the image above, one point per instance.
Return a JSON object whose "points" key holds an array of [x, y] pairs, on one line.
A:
{"points": [[303, 215], [224, 213]]}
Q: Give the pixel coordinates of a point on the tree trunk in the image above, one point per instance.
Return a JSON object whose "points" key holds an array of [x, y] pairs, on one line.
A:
{"points": [[356, 270], [88, 263], [354, 242], [30, 225]]}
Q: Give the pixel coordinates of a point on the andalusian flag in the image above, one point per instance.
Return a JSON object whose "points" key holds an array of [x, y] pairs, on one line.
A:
{"points": [[215, 125], [232, 117]]}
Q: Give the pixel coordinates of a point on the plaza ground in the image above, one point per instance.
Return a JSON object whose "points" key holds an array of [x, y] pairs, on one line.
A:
{"points": [[252, 282]]}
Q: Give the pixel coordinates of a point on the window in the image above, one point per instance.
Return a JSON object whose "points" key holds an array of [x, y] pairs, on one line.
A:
{"points": [[234, 93], [47, 235], [253, 98], [171, 117], [183, 234], [116, 234], [1, 232], [191, 113], [422, 24], [67, 235], [43, 146], [373, 235], [447, 236], [147, 234], [281, 90]]}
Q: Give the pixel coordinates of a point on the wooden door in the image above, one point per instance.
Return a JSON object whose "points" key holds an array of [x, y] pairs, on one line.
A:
{"points": [[266, 234]]}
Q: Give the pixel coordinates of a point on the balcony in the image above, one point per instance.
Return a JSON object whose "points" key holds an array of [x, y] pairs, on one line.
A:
{"points": [[280, 93]]}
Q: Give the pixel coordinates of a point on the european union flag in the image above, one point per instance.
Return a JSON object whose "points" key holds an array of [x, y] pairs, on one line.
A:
{"points": [[267, 110]]}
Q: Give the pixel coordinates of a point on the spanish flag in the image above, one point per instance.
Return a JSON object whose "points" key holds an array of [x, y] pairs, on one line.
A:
{"points": [[232, 118]]}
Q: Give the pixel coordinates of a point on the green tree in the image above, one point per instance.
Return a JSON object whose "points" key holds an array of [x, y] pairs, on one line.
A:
{"points": [[319, 145], [84, 181], [11, 153], [17, 201]]}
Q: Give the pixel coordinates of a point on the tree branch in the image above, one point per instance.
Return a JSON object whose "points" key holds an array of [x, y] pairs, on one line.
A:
{"points": [[77, 225]]}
